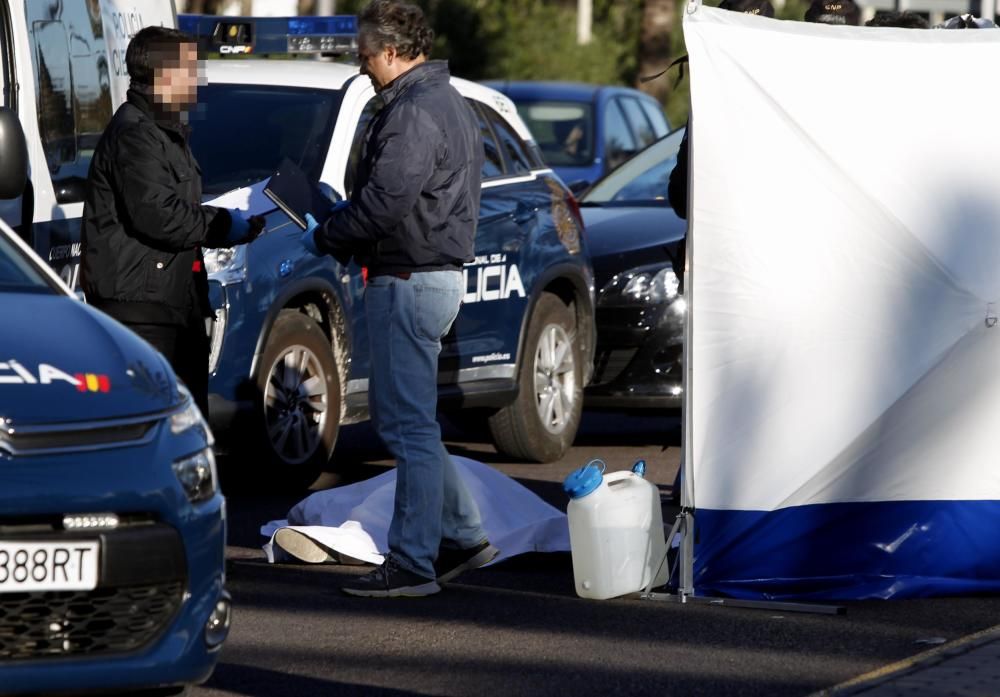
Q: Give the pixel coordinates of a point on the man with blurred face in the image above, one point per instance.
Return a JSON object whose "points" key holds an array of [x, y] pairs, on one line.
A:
{"points": [[143, 223]]}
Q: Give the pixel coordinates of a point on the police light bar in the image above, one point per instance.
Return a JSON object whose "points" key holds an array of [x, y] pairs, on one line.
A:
{"points": [[230, 36]]}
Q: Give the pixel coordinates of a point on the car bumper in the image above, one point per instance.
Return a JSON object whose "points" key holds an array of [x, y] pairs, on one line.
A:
{"points": [[160, 580], [638, 363]]}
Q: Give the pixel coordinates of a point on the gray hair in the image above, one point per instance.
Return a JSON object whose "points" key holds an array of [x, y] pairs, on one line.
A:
{"points": [[398, 24]]}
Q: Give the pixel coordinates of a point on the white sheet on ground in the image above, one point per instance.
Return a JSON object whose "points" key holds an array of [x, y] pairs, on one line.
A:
{"points": [[354, 520]]}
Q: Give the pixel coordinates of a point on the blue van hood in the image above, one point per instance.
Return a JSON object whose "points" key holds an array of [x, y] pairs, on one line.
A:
{"points": [[61, 360]]}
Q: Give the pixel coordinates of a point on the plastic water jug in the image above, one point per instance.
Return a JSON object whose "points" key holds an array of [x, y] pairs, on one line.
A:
{"points": [[615, 531]]}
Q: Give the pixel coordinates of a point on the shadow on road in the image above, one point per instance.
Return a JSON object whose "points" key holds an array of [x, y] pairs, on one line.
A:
{"points": [[254, 681]]}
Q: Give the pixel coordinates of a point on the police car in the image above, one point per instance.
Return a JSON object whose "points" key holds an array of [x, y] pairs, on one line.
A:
{"points": [[289, 344], [112, 527]]}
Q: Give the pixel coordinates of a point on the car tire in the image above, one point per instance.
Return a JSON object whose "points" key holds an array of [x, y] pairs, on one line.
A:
{"points": [[298, 410], [541, 423]]}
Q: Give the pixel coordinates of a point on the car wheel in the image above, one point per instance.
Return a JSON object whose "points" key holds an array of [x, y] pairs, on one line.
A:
{"points": [[299, 407], [541, 423]]}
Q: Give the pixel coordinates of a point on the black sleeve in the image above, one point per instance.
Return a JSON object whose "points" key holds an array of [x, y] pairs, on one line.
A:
{"points": [[156, 213], [677, 189]]}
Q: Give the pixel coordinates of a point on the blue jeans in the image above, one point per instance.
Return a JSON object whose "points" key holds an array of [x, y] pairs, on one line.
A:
{"points": [[406, 322]]}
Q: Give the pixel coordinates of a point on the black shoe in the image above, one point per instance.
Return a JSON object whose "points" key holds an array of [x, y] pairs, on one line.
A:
{"points": [[452, 562], [391, 581]]}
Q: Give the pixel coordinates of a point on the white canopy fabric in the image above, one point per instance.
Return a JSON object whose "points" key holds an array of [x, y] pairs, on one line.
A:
{"points": [[845, 284]]}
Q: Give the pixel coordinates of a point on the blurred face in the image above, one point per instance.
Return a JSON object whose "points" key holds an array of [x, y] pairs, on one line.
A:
{"points": [[175, 84], [379, 65]]}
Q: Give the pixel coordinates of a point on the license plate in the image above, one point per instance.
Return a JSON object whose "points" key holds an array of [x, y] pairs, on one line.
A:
{"points": [[48, 566]]}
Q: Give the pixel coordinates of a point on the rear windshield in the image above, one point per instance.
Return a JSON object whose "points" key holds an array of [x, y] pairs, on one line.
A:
{"points": [[241, 132], [564, 131], [17, 273]]}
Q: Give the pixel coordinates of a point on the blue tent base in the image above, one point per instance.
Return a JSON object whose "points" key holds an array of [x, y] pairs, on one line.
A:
{"points": [[849, 551], [682, 583]]}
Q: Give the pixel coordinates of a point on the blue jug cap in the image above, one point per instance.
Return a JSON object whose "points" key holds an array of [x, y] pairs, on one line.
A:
{"points": [[584, 480], [639, 468]]}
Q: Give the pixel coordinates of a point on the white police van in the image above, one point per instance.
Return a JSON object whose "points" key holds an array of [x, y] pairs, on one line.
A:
{"points": [[289, 347], [63, 72]]}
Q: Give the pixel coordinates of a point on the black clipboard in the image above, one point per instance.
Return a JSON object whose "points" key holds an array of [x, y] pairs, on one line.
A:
{"points": [[295, 194]]}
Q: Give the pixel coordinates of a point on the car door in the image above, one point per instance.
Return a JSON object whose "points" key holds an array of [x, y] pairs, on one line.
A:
{"points": [[483, 340], [10, 210], [72, 84]]}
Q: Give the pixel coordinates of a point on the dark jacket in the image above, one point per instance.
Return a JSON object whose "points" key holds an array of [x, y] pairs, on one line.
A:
{"points": [[143, 222], [415, 202]]}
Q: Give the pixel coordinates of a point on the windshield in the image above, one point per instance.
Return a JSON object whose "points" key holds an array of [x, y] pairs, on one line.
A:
{"points": [[17, 273], [643, 179], [564, 131], [242, 132]]}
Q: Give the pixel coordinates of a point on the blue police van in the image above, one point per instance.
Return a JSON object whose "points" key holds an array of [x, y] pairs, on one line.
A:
{"points": [[112, 526], [289, 360]]}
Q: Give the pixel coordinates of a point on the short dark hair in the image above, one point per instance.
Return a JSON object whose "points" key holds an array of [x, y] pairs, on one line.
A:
{"points": [[903, 20], [834, 12], [149, 48], [397, 24], [749, 7]]}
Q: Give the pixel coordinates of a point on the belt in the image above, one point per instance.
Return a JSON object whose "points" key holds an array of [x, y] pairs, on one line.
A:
{"points": [[405, 275]]}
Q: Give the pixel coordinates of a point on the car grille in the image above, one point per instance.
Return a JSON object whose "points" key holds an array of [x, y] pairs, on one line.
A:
{"points": [[74, 437], [86, 623], [610, 363]]}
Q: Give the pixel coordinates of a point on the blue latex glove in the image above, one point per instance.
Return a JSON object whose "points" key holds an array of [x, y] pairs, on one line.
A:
{"points": [[239, 228], [308, 238]]}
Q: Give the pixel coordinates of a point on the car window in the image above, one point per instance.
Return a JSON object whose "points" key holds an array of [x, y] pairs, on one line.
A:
{"points": [[373, 106], [493, 160], [234, 151], [643, 179], [17, 273], [73, 84], [618, 142], [514, 149], [564, 131], [642, 130], [656, 117]]}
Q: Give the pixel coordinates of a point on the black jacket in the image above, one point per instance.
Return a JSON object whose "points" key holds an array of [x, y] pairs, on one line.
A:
{"points": [[143, 222], [415, 202]]}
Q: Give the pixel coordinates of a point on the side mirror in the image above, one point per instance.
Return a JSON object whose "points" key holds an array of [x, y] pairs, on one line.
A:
{"points": [[578, 186], [13, 155]]}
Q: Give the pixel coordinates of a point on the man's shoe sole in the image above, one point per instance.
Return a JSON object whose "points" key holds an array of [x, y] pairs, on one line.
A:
{"points": [[481, 559], [302, 547], [424, 589]]}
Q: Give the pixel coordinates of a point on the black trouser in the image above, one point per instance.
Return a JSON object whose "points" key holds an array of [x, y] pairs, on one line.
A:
{"points": [[186, 348]]}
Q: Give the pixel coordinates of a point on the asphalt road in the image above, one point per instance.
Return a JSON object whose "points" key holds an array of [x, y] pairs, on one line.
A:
{"points": [[517, 628]]}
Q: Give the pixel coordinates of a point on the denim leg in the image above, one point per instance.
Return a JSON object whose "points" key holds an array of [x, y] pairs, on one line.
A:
{"points": [[406, 321], [461, 524]]}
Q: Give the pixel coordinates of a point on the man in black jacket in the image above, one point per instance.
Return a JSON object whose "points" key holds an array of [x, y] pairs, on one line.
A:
{"points": [[412, 221], [143, 223]]}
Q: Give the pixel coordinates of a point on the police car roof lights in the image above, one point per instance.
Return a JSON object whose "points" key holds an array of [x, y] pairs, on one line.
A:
{"points": [[230, 36]]}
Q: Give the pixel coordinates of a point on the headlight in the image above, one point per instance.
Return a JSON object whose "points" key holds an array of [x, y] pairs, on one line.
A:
{"points": [[197, 475], [186, 418], [649, 285], [228, 264], [189, 416]]}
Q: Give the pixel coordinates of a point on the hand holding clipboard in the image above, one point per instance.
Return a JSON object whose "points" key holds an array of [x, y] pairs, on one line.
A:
{"points": [[296, 195]]}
